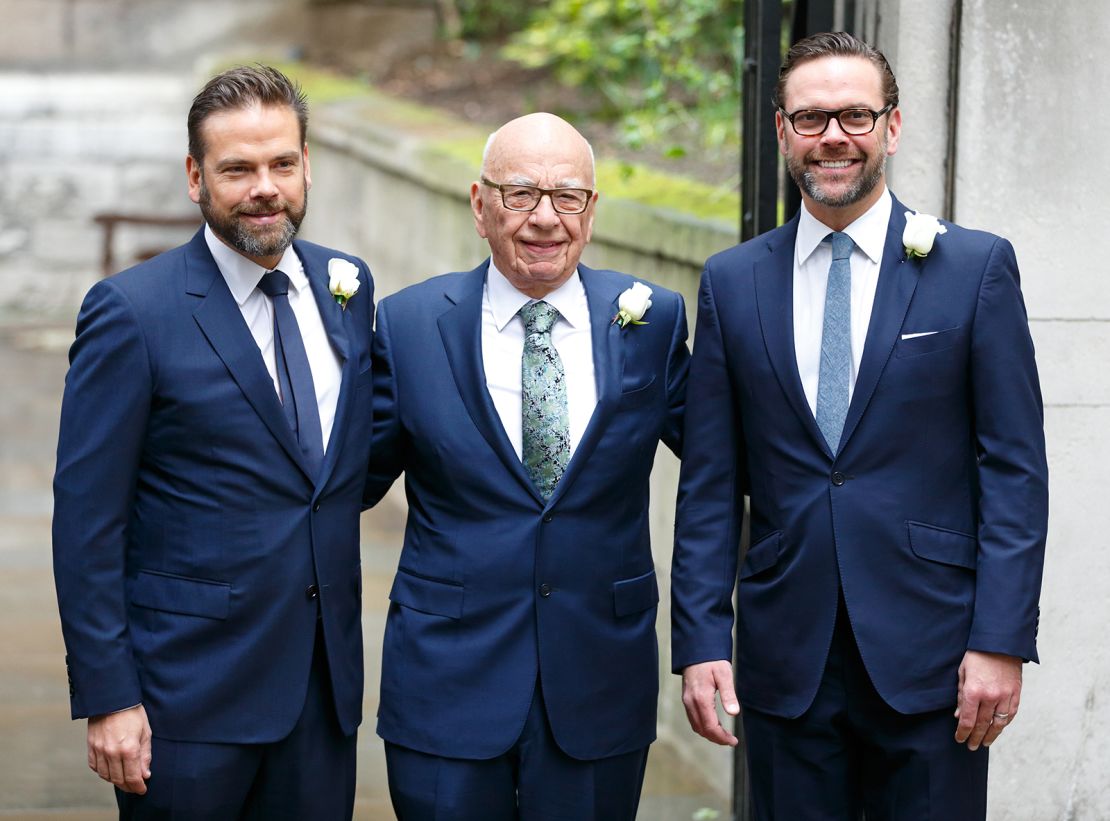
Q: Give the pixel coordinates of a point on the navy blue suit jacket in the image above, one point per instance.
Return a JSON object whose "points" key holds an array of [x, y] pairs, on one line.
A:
{"points": [[494, 586], [933, 515], [186, 526]]}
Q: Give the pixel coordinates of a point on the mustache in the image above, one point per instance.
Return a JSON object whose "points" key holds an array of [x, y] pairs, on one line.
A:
{"points": [[254, 209]]}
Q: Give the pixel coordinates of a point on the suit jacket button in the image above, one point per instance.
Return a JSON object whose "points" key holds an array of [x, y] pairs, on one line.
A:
{"points": [[316, 508], [312, 591], [545, 590], [548, 517], [838, 478]]}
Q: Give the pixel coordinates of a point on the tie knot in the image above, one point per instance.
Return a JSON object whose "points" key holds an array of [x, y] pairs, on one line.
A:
{"points": [[841, 245], [274, 283], [538, 317]]}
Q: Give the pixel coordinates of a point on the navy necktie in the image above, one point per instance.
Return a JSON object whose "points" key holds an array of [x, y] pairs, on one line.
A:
{"points": [[836, 344], [294, 374]]}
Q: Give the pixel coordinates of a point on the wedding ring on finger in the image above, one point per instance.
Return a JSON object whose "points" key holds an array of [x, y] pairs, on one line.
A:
{"points": [[1000, 717]]}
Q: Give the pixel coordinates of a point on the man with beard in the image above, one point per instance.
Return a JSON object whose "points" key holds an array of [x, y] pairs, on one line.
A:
{"points": [[866, 376], [214, 437]]}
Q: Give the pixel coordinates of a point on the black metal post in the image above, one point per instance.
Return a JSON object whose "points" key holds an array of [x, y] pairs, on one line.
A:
{"points": [[759, 152]]}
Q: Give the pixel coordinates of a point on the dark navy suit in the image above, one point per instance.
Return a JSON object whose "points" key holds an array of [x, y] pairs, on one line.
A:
{"points": [[497, 591], [930, 522], [197, 560]]}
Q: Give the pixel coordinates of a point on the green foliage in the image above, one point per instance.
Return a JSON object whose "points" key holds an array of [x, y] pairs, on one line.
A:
{"points": [[667, 70], [490, 19]]}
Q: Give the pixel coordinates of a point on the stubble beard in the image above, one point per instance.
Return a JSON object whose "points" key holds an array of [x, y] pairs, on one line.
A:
{"points": [[254, 241], [870, 176]]}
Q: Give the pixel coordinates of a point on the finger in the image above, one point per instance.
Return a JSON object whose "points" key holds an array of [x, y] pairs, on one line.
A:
{"points": [[966, 713], [728, 692], [701, 711], [998, 723], [102, 767], [145, 755], [133, 775], [983, 719], [115, 770]]}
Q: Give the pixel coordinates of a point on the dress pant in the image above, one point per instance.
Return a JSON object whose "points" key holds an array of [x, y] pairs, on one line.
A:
{"points": [[533, 781], [309, 774], [850, 756]]}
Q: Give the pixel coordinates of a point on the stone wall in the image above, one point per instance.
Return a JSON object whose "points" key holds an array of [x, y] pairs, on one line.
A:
{"points": [[1022, 139]]}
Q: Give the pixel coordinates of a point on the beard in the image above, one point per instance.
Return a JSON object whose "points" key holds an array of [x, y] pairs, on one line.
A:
{"points": [[870, 176], [254, 240]]}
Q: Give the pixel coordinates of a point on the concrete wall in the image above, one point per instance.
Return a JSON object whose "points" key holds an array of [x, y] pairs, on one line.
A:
{"points": [[1030, 82], [74, 145]]}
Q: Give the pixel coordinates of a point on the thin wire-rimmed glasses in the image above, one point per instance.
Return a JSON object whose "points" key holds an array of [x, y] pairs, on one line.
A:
{"points": [[527, 197], [812, 122]]}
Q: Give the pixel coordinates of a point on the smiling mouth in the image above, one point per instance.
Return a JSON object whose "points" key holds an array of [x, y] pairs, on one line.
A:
{"points": [[542, 247], [834, 163]]}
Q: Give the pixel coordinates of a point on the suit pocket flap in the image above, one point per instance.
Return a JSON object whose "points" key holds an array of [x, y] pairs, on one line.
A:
{"points": [[635, 595], [427, 595], [762, 555], [180, 594], [938, 544]]}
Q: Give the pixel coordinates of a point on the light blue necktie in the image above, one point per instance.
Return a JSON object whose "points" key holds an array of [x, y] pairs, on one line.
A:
{"points": [[836, 344], [546, 420]]}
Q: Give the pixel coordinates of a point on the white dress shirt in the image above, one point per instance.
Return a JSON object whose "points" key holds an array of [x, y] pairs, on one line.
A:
{"points": [[812, 258], [242, 277], [503, 348]]}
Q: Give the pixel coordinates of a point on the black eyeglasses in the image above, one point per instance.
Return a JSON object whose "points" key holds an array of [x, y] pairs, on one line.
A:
{"points": [[812, 122], [527, 197]]}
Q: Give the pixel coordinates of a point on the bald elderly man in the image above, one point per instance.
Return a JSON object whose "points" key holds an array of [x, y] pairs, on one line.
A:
{"points": [[524, 401]]}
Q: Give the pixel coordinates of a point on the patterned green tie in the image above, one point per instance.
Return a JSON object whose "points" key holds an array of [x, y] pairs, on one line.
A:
{"points": [[546, 428]]}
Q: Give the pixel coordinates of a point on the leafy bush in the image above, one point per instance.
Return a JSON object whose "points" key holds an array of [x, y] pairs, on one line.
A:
{"points": [[665, 69]]}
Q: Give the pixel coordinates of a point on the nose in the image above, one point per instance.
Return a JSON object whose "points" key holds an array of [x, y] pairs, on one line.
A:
{"points": [[544, 214], [834, 133], [264, 187]]}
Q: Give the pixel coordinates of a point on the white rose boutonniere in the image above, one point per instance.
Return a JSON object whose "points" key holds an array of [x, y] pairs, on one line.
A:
{"points": [[920, 234], [632, 305], [342, 280]]}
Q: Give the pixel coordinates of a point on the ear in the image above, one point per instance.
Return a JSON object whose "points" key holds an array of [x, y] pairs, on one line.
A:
{"points": [[590, 211], [780, 131], [478, 209], [307, 170], [193, 172], [893, 131]]}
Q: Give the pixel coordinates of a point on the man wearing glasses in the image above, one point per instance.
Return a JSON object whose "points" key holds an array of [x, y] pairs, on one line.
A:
{"points": [[866, 377], [524, 401]]}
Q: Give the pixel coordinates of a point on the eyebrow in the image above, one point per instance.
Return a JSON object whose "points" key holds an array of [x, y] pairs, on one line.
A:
{"points": [[567, 183], [232, 161]]}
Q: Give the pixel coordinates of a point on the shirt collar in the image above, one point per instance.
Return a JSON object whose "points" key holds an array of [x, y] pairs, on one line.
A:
{"points": [[243, 275], [569, 299], [868, 231]]}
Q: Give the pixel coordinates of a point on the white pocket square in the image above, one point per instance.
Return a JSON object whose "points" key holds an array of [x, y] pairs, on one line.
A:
{"points": [[922, 333]]}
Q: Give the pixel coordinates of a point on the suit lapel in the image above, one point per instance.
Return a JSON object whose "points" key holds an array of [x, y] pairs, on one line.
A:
{"points": [[460, 327], [221, 322], [774, 293], [335, 325], [602, 292], [898, 279]]}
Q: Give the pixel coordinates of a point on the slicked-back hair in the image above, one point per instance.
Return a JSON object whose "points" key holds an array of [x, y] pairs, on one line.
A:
{"points": [[834, 44], [241, 87]]}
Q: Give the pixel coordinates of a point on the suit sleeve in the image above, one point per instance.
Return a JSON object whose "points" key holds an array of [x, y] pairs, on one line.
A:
{"points": [[1013, 471], [710, 500], [678, 370], [386, 461], [105, 409]]}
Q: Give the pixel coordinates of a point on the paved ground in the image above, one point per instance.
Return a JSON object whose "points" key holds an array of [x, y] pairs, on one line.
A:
{"points": [[43, 774]]}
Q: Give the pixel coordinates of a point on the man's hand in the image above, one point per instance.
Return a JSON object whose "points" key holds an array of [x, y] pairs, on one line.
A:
{"points": [[119, 748], [988, 697], [700, 685]]}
